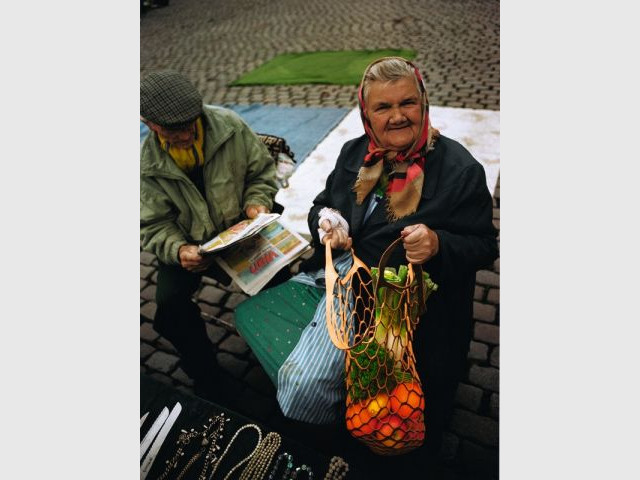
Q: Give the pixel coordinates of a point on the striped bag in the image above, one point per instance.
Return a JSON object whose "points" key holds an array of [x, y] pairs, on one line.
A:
{"points": [[311, 380]]}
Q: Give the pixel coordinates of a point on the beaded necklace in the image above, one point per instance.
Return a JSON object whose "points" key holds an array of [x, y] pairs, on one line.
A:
{"points": [[210, 435], [287, 469], [257, 467], [338, 469], [241, 462]]}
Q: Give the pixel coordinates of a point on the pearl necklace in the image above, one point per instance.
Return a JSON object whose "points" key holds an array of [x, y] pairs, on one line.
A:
{"points": [[338, 469], [241, 462], [257, 467]]}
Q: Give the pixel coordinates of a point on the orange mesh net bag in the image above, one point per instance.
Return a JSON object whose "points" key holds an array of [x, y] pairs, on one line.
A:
{"points": [[385, 401]]}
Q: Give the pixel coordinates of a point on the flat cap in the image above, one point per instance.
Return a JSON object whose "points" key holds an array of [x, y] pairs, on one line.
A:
{"points": [[169, 99]]}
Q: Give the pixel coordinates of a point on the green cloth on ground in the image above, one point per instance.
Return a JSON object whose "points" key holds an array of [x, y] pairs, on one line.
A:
{"points": [[272, 322], [338, 68]]}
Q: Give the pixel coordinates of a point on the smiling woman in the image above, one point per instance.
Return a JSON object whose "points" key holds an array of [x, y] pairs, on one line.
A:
{"points": [[395, 113]]}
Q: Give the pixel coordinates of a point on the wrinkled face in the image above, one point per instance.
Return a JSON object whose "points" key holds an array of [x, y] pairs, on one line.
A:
{"points": [[177, 138], [395, 112]]}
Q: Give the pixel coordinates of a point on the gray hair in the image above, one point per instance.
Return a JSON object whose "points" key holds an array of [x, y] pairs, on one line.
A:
{"points": [[388, 69]]}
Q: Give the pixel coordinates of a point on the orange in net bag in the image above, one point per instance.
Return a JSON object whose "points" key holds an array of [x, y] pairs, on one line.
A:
{"points": [[385, 401]]}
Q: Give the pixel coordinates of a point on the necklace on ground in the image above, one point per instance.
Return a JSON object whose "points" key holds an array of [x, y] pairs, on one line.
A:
{"points": [[288, 458], [210, 435], [304, 468], [257, 467], [241, 462], [338, 469]]}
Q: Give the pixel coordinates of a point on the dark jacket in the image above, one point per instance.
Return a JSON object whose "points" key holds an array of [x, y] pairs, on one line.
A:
{"points": [[456, 203]]}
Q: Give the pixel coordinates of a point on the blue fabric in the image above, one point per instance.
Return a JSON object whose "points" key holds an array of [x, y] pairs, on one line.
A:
{"points": [[303, 128]]}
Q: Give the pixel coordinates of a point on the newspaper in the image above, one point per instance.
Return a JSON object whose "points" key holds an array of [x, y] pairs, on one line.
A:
{"points": [[238, 232], [253, 262]]}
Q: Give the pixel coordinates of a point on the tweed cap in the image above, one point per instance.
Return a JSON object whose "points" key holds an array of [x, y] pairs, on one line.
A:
{"points": [[169, 99]]}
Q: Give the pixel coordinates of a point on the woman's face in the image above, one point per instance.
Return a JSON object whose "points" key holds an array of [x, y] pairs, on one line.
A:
{"points": [[395, 112]]}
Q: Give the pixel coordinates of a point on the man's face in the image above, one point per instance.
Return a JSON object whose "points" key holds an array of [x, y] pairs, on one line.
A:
{"points": [[395, 112], [177, 138]]}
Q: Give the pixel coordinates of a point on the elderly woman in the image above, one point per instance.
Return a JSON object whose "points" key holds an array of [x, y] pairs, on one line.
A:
{"points": [[401, 179]]}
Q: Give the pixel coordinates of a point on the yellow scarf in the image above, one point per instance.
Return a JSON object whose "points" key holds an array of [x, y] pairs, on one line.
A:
{"points": [[186, 158]]}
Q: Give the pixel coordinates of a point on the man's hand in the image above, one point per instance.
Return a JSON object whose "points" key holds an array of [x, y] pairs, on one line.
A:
{"points": [[252, 211], [191, 260], [337, 236], [420, 242]]}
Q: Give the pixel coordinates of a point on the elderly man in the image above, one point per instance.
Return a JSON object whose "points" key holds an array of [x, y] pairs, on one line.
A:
{"points": [[201, 170]]}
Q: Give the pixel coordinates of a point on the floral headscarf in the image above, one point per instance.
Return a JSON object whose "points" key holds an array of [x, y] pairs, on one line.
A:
{"points": [[407, 176]]}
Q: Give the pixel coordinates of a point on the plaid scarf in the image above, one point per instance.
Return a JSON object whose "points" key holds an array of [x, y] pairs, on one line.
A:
{"points": [[406, 175], [186, 158]]}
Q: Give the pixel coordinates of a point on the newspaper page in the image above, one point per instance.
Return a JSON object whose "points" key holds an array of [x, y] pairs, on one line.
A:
{"points": [[238, 232], [255, 261]]}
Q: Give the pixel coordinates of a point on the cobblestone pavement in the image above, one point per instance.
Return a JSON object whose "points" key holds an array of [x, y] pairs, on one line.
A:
{"points": [[214, 42]]}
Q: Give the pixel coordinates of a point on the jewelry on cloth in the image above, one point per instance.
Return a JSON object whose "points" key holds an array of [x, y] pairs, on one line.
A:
{"points": [[209, 437], [288, 466], [338, 469], [157, 443], [241, 462], [257, 467], [303, 468]]}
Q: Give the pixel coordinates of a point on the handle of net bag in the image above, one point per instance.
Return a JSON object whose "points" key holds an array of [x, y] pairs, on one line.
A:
{"points": [[338, 329], [415, 271]]}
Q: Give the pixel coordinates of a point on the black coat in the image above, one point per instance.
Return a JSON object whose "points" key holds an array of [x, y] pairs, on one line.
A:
{"points": [[456, 203]]}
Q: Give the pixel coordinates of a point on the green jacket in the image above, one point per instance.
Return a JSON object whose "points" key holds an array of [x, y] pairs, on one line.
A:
{"points": [[238, 171]]}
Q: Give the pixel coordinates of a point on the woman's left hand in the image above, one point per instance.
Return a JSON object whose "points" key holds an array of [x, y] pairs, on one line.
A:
{"points": [[420, 242]]}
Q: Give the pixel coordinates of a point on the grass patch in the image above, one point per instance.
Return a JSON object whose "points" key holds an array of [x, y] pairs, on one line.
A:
{"points": [[335, 68]]}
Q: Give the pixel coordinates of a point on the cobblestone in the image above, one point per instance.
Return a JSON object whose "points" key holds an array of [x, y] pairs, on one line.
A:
{"points": [[161, 361], [211, 295], [495, 357], [215, 332], [234, 300], [486, 277], [146, 271], [478, 351], [485, 377], [149, 293], [487, 333], [493, 296], [208, 311], [145, 350], [468, 396], [147, 258], [147, 333], [182, 377], [148, 310], [234, 344], [484, 312], [481, 429], [478, 293]]}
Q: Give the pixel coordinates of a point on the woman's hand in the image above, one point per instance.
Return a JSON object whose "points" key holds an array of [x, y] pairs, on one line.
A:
{"points": [[338, 237], [420, 242]]}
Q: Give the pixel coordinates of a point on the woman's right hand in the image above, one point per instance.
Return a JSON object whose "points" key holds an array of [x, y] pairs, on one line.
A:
{"points": [[339, 238]]}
